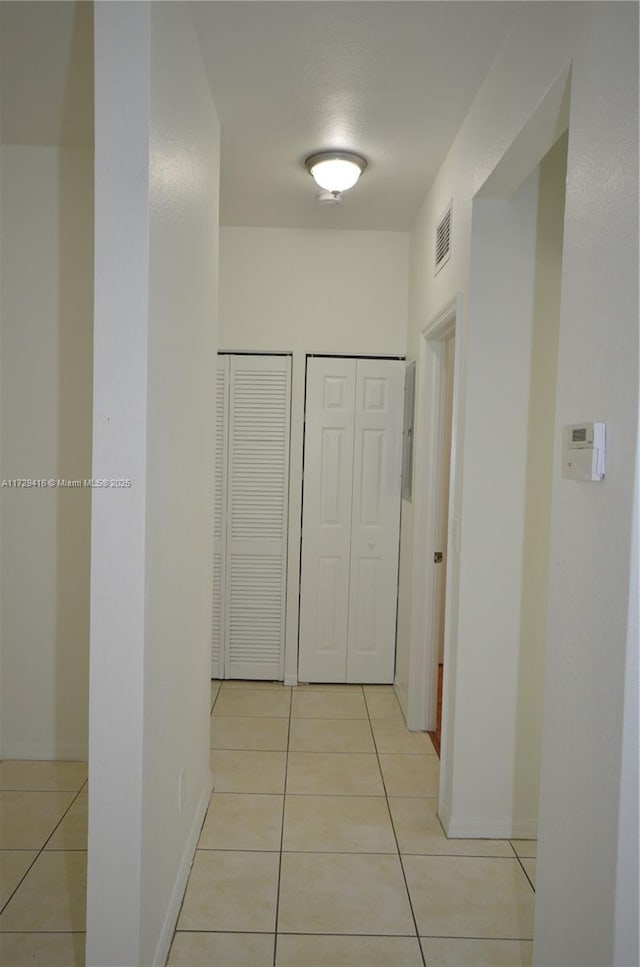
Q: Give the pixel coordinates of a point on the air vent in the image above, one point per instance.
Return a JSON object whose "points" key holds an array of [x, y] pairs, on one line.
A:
{"points": [[443, 240]]}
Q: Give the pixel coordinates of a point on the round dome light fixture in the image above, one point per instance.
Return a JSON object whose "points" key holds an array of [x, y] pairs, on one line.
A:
{"points": [[335, 171]]}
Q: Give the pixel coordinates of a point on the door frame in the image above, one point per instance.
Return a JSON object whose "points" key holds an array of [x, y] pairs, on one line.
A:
{"points": [[423, 648]]}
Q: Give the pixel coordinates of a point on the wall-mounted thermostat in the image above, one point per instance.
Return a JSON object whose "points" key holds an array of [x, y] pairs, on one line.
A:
{"points": [[583, 451]]}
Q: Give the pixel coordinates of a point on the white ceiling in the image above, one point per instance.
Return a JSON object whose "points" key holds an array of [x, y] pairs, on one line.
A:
{"points": [[390, 79]]}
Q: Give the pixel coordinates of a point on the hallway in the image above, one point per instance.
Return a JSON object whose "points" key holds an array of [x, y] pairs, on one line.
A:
{"points": [[321, 846]]}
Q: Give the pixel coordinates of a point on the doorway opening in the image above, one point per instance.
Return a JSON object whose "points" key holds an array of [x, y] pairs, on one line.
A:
{"points": [[434, 488], [448, 348]]}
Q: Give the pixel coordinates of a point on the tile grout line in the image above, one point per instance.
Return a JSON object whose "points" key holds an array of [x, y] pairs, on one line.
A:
{"points": [[386, 794], [284, 804], [522, 866], [42, 850], [395, 836], [213, 704]]}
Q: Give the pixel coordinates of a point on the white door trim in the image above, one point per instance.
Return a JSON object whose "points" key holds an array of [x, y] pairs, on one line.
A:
{"points": [[423, 654]]}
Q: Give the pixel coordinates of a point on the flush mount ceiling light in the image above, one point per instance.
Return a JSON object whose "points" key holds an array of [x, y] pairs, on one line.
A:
{"points": [[335, 171]]}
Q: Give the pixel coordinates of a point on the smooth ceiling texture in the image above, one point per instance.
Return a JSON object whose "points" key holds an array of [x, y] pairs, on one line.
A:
{"points": [[392, 80]]}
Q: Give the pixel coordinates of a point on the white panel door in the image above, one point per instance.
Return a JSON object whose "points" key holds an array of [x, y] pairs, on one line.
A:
{"points": [[219, 518], [375, 520], [326, 520], [257, 504]]}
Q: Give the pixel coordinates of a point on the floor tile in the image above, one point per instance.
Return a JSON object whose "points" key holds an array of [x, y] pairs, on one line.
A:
{"points": [[49, 776], [395, 737], [231, 891], [51, 897], [250, 733], [42, 949], [530, 869], [525, 847], [379, 689], [411, 775], [72, 831], [333, 774], [331, 735], [324, 951], [328, 705], [477, 953], [248, 771], [27, 818], [242, 822], [343, 894], [383, 705], [470, 896], [419, 831], [338, 824], [13, 866], [222, 950], [271, 703]]}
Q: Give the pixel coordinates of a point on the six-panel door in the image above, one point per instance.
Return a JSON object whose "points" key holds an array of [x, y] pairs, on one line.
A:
{"points": [[351, 518]]}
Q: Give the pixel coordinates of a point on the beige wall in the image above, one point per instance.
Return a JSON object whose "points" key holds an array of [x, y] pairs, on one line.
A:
{"points": [[47, 317]]}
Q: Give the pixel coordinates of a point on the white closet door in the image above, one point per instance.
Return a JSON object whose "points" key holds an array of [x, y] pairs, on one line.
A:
{"points": [[326, 520], [219, 518], [257, 501], [375, 520]]}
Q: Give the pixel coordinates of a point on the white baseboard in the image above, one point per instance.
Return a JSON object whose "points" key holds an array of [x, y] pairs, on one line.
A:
{"points": [[470, 828], [184, 869], [291, 679], [37, 751]]}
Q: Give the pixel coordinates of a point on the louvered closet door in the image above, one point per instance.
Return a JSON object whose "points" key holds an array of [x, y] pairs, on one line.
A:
{"points": [[257, 502], [326, 520], [219, 518], [375, 520]]}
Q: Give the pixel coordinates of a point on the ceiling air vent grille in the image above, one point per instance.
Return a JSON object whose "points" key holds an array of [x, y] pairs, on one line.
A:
{"points": [[443, 240]]}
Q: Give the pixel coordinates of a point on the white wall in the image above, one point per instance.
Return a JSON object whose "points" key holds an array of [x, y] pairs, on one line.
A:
{"points": [[313, 291], [183, 287], [588, 714], [492, 532], [305, 291], [1, 390], [157, 166], [587, 642], [47, 291]]}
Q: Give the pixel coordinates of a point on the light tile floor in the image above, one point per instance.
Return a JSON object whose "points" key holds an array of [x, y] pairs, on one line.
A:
{"points": [[322, 848], [43, 863]]}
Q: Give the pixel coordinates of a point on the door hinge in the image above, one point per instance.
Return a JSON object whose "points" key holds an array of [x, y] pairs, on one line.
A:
{"points": [[437, 557]]}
